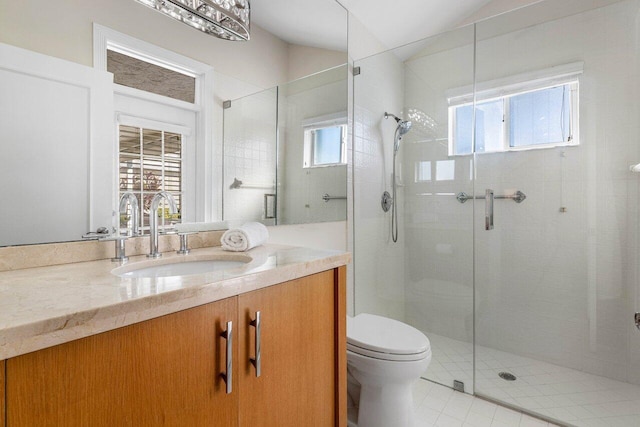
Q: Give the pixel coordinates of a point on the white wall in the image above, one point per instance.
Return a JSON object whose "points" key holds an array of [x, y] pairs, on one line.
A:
{"points": [[378, 263], [555, 285], [362, 43], [494, 8], [64, 29], [323, 235], [306, 60], [438, 229]]}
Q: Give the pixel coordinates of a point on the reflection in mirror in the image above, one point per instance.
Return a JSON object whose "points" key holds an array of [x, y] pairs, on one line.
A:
{"points": [[150, 161], [250, 157], [30, 196], [312, 123], [48, 162], [65, 150], [304, 122]]}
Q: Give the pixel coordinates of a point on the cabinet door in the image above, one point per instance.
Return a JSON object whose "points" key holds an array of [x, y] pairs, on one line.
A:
{"points": [[1, 393], [299, 369], [165, 371]]}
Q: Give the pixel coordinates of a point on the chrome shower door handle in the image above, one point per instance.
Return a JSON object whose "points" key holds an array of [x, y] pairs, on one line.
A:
{"points": [[488, 210], [228, 375], [256, 361], [637, 319]]}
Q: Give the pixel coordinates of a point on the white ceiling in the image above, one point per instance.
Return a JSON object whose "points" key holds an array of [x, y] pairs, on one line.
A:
{"points": [[316, 23], [322, 23], [399, 22]]}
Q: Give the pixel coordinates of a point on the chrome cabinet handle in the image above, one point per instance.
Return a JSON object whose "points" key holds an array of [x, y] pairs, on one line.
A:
{"points": [[488, 210], [228, 375], [256, 362]]}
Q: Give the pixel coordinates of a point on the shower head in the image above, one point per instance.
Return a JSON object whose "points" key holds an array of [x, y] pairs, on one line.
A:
{"points": [[404, 126]]}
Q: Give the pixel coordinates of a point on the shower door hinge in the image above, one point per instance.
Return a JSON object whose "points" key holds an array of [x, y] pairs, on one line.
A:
{"points": [[226, 104], [356, 71]]}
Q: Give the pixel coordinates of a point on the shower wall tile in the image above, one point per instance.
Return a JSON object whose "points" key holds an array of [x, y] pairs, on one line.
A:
{"points": [[439, 229], [250, 156], [379, 263], [634, 365], [303, 188], [557, 279], [558, 287]]}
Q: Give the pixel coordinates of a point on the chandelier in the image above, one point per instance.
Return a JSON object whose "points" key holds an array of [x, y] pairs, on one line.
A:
{"points": [[225, 19]]}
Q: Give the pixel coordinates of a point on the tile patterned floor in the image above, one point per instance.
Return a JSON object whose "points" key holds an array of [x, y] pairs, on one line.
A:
{"points": [[564, 394], [440, 406]]}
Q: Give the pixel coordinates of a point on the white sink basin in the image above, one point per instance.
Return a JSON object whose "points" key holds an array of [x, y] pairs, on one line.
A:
{"points": [[178, 267], [183, 268]]}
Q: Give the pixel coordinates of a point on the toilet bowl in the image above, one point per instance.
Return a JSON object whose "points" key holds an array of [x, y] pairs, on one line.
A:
{"points": [[384, 358]]}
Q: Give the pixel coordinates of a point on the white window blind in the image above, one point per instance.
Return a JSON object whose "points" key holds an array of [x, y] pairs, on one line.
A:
{"points": [[150, 161]]}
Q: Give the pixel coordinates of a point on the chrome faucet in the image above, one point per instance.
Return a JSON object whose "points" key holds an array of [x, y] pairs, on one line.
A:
{"points": [[153, 221], [131, 200]]}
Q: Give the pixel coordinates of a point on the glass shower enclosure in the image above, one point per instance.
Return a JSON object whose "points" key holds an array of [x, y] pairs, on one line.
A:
{"points": [[518, 210]]}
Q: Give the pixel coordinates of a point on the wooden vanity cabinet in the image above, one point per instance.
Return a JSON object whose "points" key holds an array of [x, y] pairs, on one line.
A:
{"points": [[166, 371], [2, 399], [298, 379]]}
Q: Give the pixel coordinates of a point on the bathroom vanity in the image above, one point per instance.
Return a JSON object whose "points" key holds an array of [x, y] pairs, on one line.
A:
{"points": [[179, 350]]}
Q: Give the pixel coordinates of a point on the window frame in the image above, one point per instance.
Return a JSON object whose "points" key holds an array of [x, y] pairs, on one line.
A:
{"points": [[324, 122], [508, 87], [152, 125], [205, 186]]}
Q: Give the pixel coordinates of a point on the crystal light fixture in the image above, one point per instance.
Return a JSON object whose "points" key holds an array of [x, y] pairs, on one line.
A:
{"points": [[225, 19]]}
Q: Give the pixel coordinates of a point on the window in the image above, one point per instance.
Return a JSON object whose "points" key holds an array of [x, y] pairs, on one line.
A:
{"points": [[150, 161], [130, 71], [325, 141], [142, 107], [541, 117], [520, 115]]}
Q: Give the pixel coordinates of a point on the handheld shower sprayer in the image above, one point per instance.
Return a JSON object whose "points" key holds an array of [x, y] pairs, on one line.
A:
{"points": [[403, 127]]}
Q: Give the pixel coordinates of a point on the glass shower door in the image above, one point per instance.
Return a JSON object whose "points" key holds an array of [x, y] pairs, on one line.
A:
{"points": [[424, 279], [249, 150], [556, 273], [438, 230]]}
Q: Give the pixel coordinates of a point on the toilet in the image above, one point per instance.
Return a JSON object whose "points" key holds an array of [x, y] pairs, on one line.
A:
{"points": [[384, 359]]}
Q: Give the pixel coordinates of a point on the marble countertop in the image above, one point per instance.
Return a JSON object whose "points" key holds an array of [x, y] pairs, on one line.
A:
{"points": [[44, 306]]}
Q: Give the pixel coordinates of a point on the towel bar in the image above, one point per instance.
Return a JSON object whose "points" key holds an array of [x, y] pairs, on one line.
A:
{"points": [[517, 197], [327, 197]]}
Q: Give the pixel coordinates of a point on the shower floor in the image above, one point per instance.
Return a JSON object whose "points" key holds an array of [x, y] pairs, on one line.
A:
{"points": [[564, 394]]}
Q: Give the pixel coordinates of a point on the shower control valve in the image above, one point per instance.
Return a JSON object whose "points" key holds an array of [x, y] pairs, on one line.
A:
{"points": [[386, 201]]}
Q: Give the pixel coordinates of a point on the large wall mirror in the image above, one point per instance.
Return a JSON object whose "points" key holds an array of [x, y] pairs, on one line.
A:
{"points": [[285, 152], [61, 174]]}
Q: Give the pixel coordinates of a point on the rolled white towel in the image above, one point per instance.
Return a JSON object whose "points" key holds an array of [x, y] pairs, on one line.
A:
{"points": [[245, 237]]}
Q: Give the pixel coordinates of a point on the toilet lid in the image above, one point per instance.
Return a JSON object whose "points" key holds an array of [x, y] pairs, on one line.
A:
{"points": [[384, 335]]}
